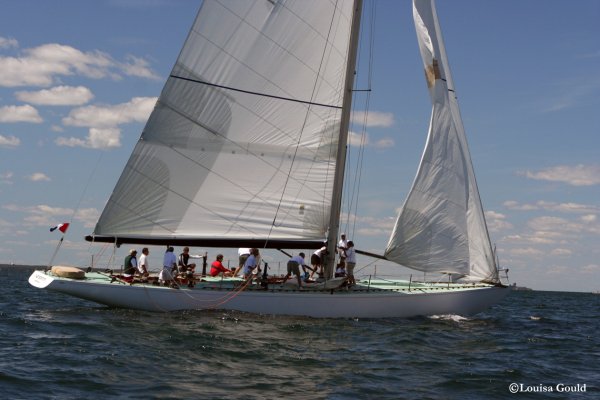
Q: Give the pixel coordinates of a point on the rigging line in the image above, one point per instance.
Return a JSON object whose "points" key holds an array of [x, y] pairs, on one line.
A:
{"points": [[310, 103], [87, 185], [76, 209], [335, 134], [367, 106], [314, 89], [346, 188], [353, 195]]}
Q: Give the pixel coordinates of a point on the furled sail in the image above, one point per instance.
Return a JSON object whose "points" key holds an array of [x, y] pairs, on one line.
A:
{"points": [[441, 227], [242, 142]]}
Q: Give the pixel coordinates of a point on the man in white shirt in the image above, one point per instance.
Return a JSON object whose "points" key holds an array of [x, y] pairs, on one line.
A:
{"points": [[316, 260], [252, 264], [169, 265], [293, 267], [143, 266], [350, 262], [243, 253], [342, 246]]}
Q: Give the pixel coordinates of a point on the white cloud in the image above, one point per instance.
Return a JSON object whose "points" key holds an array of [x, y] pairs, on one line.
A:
{"points": [[57, 96], [89, 216], [40, 66], [558, 270], [6, 177], [357, 140], [38, 177], [564, 226], [570, 93], [514, 205], [538, 237], [590, 218], [136, 110], [568, 207], [552, 206], [40, 215], [39, 209], [370, 226], [551, 224], [384, 143], [591, 268], [373, 118], [102, 139], [103, 122], [9, 141], [136, 66], [45, 215], [6, 43], [578, 175], [497, 221], [527, 251], [25, 113], [561, 252]]}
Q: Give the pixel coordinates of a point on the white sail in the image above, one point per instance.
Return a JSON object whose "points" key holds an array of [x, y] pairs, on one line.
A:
{"points": [[441, 227], [243, 140]]}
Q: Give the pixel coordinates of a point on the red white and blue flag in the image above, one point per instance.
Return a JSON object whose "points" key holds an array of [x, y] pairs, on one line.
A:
{"points": [[61, 227]]}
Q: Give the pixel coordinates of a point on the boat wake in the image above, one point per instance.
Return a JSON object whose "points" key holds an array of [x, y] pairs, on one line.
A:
{"points": [[449, 317]]}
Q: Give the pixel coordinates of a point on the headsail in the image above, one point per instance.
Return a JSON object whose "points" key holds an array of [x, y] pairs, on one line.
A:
{"points": [[441, 227], [242, 142]]}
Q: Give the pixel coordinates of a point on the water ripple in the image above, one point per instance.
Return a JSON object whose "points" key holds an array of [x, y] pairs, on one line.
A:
{"points": [[53, 346]]}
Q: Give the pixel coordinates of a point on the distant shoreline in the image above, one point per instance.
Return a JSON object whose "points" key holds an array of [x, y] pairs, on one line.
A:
{"points": [[22, 266]]}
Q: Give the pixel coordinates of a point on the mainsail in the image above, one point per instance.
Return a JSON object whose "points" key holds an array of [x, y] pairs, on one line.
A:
{"points": [[241, 146], [441, 227]]}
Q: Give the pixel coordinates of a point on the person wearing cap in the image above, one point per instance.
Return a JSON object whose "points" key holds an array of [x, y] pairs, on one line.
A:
{"points": [[130, 263]]}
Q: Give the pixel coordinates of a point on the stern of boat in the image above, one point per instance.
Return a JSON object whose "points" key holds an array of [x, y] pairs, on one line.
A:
{"points": [[40, 279]]}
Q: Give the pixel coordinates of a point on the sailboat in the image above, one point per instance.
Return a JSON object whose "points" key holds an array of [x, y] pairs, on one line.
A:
{"points": [[246, 147]]}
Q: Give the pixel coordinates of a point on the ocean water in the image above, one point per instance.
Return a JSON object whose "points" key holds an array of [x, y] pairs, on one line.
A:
{"points": [[56, 347]]}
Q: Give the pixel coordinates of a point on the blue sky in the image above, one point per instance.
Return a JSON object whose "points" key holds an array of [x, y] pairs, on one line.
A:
{"points": [[79, 78]]}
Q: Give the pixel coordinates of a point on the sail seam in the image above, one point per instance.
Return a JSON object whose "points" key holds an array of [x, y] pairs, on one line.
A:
{"points": [[253, 112], [275, 167], [327, 45], [191, 201], [266, 37], [272, 96]]}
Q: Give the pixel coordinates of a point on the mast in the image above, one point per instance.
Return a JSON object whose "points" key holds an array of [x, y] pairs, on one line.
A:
{"points": [[338, 182]]}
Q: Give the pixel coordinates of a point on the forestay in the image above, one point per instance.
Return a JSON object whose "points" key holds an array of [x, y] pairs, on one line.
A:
{"points": [[441, 227], [242, 142]]}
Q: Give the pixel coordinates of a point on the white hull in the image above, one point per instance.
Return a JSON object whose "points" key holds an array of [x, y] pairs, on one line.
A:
{"points": [[366, 303]]}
